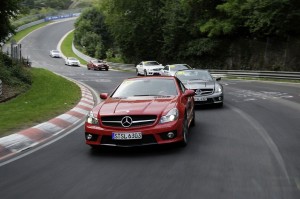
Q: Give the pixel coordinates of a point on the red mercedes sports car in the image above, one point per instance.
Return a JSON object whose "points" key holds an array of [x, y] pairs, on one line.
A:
{"points": [[142, 111], [96, 64]]}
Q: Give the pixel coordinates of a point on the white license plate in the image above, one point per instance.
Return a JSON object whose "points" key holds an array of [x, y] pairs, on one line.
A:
{"points": [[127, 136], [200, 98]]}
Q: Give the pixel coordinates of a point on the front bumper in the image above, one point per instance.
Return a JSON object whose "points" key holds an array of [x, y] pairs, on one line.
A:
{"points": [[74, 64], [216, 98], [157, 134]]}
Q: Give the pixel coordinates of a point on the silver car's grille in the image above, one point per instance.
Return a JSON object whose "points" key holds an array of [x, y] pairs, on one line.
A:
{"points": [[128, 120], [204, 91]]}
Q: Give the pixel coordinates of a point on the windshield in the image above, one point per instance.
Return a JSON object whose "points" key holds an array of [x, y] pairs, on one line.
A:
{"points": [[55, 51], [190, 75], [179, 67], [146, 87], [150, 63]]}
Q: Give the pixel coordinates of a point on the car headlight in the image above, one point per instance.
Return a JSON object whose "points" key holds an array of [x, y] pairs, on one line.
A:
{"points": [[172, 115], [91, 119], [218, 88]]}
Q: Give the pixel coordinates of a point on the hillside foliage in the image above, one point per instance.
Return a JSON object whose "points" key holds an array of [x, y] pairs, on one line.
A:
{"points": [[231, 34]]}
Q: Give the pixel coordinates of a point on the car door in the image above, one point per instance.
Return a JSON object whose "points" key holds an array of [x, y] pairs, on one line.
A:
{"points": [[139, 67], [165, 71]]}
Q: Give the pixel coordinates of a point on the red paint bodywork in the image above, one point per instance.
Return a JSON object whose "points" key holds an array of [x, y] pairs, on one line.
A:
{"points": [[131, 106], [97, 65]]}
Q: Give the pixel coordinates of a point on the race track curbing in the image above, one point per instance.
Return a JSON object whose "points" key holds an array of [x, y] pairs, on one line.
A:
{"points": [[25, 139]]}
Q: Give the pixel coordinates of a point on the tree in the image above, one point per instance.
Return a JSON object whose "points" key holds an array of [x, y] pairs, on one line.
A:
{"points": [[254, 18], [92, 34], [136, 27], [8, 9]]}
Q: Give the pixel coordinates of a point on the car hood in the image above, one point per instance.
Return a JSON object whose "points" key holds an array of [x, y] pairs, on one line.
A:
{"points": [[99, 64], [197, 84], [137, 105]]}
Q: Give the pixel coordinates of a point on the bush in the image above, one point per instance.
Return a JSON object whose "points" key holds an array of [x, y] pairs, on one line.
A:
{"points": [[14, 73]]}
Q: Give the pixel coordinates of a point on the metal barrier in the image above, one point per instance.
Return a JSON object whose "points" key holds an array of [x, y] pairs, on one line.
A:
{"points": [[0, 87], [257, 74], [215, 73]]}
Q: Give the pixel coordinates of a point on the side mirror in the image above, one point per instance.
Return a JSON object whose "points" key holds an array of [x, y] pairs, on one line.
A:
{"points": [[189, 93], [103, 96], [218, 78]]}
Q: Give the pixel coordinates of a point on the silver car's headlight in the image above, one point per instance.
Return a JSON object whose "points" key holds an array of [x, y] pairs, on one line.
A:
{"points": [[91, 118], [218, 88], [172, 115]]}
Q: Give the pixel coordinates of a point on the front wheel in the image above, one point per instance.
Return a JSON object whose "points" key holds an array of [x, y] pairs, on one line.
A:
{"points": [[185, 132], [145, 72], [137, 72]]}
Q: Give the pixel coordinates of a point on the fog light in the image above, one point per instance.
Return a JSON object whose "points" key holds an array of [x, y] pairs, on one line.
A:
{"points": [[220, 98], [170, 135], [89, 136]]}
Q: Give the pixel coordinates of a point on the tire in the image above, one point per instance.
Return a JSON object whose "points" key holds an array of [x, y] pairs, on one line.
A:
{"points": [[94, 147], [220, 105], [193, 120], [185, 132], [145, 72], [137, 72]]}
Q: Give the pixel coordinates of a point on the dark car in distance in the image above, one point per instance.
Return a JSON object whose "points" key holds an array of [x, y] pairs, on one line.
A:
{"points": [[96, 64]]}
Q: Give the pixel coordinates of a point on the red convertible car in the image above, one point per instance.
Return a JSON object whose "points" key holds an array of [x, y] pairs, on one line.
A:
{"points": [[142, 111], [96, 64]]}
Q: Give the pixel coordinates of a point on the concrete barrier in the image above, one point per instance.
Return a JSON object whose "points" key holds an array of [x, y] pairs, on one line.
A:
{"points": [[118, 66]]}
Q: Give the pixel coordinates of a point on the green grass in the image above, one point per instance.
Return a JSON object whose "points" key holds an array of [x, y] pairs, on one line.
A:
{"points": [[66, 48], [20, 35], [49, 96]]}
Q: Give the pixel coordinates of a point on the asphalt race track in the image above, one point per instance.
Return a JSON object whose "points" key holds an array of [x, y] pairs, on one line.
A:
{"points": [[247, 149]]}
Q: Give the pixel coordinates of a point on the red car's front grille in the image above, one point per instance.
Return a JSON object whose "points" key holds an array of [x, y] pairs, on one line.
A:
{"points": [[136, 120]]}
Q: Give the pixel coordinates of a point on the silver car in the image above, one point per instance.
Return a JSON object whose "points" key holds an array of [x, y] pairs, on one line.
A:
{"points": [[170, 70], [71, 61], [55, 53], [208, 90]]}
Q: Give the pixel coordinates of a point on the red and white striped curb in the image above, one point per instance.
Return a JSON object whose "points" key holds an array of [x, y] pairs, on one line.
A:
{"points": [[25, 139]]}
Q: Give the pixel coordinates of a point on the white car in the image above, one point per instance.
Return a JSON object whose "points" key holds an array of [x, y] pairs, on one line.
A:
{"points": [[72, 61], [55, 53], [148, 68]]}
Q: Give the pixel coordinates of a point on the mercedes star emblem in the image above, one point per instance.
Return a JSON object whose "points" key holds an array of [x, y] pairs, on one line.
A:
{"points": [[126, 121]]}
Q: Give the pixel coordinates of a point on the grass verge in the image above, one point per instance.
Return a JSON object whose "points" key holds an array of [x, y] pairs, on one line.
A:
{"points": [[20, 35], [66, 48], [49, 96]]}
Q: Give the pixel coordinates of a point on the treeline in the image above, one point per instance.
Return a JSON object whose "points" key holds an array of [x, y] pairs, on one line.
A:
{"points": [[219, 34]]}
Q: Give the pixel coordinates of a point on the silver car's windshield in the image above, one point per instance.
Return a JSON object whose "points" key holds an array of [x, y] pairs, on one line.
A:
{"points": [[150, 63], [193, 75], [146, 87]]}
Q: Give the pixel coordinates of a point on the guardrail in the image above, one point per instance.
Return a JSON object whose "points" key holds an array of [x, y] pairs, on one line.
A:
{"points": [[257, 74], [214, 72], [0, 87], [118, 66]]}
